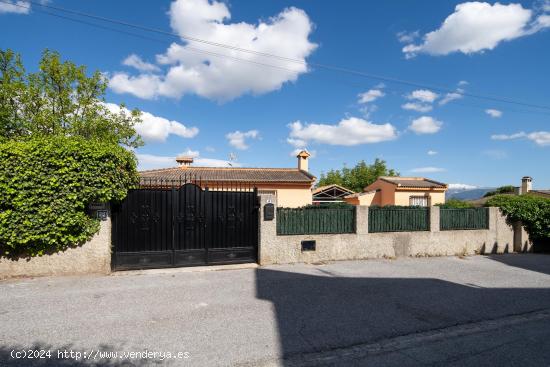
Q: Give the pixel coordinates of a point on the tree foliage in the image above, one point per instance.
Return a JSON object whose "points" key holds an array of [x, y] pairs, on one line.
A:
{"points": [[508, 189], [358, 177], [455, 204], [59, 100], [46, 185], [532, 211]]}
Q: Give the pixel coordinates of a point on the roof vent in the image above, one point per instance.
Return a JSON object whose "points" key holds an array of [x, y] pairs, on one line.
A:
{"points": [[184, 160]]}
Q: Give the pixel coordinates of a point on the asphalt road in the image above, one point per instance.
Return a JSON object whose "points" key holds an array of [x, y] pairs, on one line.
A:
{"points": [[408, 312]]}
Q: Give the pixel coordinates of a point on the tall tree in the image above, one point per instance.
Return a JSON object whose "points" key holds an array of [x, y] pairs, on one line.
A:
{"points": [[60, 99], [358, 177]]}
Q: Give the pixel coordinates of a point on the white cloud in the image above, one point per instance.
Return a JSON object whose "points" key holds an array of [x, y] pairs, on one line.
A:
{"points": [[407, 37], [297, 143], [136, 62], [493, 113], [370, 96], [151, 161], [15, 7], [421, 100], [495, 153], [418, 107], [425, 125], [422, 95], [224, 78], [451, 97], [155, 128], [348, 132], [541, 138], [428, 170], [509, 137], [432, 152], [463, 83], [479, 26], [461, 186], [143, 86], [237, 139]]}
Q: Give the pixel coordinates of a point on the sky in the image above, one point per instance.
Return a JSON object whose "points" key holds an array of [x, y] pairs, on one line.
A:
{"points": [[421, 85]]}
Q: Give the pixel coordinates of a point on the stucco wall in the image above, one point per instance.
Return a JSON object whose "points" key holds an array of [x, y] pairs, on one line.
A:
{"points": [[92, 257], [294, 197], [499, 238], [366, 198], [402, 197]]}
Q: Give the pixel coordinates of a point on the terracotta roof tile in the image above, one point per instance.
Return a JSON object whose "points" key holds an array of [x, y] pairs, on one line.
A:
{"points": [[231, 174], [414, 182]]}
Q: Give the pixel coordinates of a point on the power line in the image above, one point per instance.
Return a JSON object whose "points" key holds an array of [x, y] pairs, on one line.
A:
{"points": [[263, 54]]}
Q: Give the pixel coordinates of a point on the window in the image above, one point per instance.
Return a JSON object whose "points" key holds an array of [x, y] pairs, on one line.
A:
{"points": [[418, 201]]}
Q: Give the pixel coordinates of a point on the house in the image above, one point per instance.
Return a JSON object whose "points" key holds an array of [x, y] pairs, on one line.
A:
{"points": [[330, 194], [527, 188], [405, 191], [291, 186]]}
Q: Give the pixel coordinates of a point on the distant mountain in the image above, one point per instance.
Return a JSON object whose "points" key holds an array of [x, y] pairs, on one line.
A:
{"points": [[472, 194]]}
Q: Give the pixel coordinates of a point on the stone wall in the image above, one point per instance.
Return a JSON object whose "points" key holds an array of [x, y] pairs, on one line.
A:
{"points": [[92, 257], [499, 238]]}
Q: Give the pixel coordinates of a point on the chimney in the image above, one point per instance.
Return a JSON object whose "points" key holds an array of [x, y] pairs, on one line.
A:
{"points": [[184, 160], [302, 160], [526, 185]]}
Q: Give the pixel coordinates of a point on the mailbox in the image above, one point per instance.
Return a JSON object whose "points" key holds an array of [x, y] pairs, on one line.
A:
{"points": [[269, 211]]}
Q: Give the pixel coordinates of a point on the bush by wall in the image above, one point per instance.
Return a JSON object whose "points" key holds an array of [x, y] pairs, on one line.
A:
{"points": [[532, 211], [465, 218], [455, 204], [46, 185], [316, 220], [399, 219]]}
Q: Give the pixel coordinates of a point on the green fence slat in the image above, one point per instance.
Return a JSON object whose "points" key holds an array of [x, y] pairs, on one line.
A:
{"points": [[292, 221], [398, 219], [467, 218]]}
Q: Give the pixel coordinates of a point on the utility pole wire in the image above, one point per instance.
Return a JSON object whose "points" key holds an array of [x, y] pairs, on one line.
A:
{"points": [[282, 58]]}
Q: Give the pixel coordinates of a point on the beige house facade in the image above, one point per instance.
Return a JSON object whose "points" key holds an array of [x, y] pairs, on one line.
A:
{"points": [[290, 186], [403, 191]]}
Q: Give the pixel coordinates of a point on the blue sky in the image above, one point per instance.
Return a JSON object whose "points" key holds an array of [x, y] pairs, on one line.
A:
{"points": [[217, 101]]}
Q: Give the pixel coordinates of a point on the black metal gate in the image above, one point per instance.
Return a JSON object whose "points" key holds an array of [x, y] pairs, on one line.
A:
{"points": [[185, 225]]}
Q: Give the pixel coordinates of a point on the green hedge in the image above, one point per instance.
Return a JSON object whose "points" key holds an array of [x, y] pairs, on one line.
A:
{"points": [[398, 219], [46, 185], [315, 220], [470, 218], [532, 211]]}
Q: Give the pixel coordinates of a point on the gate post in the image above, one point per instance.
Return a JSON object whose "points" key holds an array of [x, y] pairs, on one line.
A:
{"points": [[434, 218], [267, 230]]}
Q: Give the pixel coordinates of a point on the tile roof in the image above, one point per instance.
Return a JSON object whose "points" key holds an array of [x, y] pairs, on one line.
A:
{"points": [[545, 192], [414, 182], [231, 174]]}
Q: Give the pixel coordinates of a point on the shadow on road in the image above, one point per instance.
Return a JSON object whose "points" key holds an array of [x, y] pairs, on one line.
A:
{"points": [[534, 262], [324, 311]]}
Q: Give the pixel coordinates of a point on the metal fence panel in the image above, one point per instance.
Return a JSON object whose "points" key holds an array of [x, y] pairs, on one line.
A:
{"points": [[468, 218], [295, 221], [399, 219]]}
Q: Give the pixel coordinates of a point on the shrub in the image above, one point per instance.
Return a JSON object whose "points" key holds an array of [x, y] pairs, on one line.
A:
{"points": [[532, 211], [328, 205], [509, 189], [455, 204], [46, 185]]}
